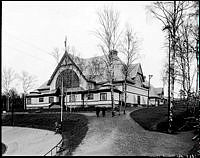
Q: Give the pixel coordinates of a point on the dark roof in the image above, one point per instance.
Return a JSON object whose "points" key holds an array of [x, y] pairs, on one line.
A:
{"points": [[44, 86], [66, 55], [118, 75], [155, 92]]}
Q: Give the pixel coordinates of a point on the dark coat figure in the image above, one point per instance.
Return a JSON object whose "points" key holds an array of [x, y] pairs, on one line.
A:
{"points": [[97, 111], [113, 113], [58, 127], [103, 111]]}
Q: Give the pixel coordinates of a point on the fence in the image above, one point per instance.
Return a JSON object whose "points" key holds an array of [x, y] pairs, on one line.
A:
{"points": [[55, 149]]}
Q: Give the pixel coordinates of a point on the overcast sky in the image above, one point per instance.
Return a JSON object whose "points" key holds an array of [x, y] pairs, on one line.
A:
{"points": [[31, 30]]}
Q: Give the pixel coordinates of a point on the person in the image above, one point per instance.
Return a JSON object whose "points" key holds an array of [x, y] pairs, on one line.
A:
{"points": [[97, 111], [57, 127], [103, 111], [113, 113]]}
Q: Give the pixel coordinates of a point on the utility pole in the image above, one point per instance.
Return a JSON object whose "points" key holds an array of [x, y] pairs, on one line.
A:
{"points": [[61, 117], [62, 92], [149, 88]]}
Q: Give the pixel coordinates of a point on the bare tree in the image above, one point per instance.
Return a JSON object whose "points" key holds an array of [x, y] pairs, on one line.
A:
{"points": [[8, 76], [164, 76], [185, 56], [171, 14], [108, 33], [186, 49], [76, 57], [129, 48], [28, 81], [95, 68], [195, 32], [56, 55]]}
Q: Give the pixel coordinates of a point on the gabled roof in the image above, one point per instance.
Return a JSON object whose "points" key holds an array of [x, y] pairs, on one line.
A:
{"points": [[44, 86], [118, 75], [159, 90], [118, 64], [155, 92], [65, 56]]}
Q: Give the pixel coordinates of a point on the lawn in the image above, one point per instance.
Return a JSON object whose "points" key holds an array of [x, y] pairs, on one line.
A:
{"points": [[156, 118], [74, 126], [148, 118]]}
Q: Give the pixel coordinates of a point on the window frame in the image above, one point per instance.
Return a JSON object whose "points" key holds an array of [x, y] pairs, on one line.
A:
{"points": [[90, 96], [28, 101], [72, 97], [40, 99], [51, 99], [101, 96]]}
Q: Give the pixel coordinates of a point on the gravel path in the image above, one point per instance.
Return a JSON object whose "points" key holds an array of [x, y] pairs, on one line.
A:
{"points": [[28, 141], [120, 135]]}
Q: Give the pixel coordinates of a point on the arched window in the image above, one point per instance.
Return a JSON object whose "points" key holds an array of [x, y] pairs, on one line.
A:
{"points": [[70, 79]]}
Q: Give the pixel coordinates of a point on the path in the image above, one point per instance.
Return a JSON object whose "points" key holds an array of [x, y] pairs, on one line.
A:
{"points": [[28, 141], [120, 135]]}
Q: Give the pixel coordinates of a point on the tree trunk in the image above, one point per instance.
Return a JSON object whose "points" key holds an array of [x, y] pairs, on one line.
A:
{"points": [[24, 102], [172, 69], [112, 98], [125, 87], [8, 105], [112, 91]]}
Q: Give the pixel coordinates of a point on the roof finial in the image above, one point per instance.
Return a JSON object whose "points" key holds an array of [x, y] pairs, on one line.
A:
{"points": [[65, 42]]}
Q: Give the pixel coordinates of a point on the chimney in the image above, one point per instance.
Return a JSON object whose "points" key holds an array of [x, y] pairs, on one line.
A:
{"points": [[113, 54]]}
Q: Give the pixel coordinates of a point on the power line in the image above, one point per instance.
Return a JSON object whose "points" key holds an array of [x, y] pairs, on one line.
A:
{"points": [[20, 51], [17, 38]]}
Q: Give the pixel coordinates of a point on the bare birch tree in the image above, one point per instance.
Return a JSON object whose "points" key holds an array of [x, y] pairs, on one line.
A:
{"points": [[195, 32], [186, 50], [171, 14], [108, 33], [129, 48], [185, 57]]}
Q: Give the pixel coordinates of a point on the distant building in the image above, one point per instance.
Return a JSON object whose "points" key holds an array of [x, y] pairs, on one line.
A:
{"points": [[83, 88], [156, 96]]}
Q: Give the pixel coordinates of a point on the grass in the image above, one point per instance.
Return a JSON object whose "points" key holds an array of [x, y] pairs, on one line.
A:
{"points": [[74, 126], [149, 117], [3, 148], [156, 118]]}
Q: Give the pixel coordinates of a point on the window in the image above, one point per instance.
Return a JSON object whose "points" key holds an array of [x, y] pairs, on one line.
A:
{"points": [[90, 96], [51, 99], [72, 98], [103, 96], [28, 100], [41, 99]]}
